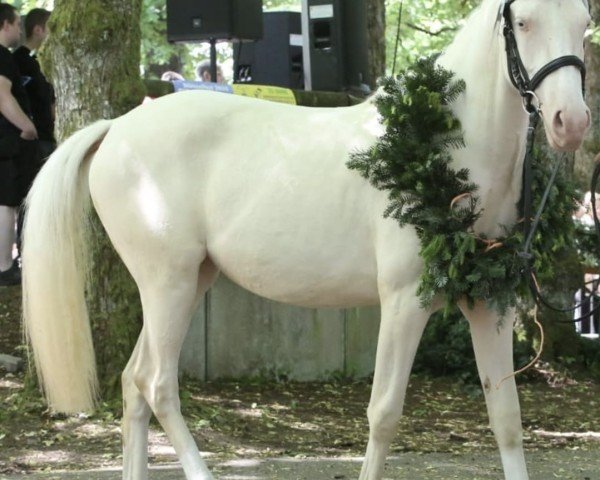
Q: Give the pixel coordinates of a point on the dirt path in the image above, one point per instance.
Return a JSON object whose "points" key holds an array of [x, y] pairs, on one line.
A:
{"points": [[544, 465], [266, 430], [445, 433]]}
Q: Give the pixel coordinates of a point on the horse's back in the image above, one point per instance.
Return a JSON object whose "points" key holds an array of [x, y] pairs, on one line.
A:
{"points": [[263, 187]]}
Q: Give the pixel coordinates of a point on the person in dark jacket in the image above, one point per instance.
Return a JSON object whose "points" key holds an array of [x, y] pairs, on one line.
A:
{"points": [[18, 142], [39, 90]]}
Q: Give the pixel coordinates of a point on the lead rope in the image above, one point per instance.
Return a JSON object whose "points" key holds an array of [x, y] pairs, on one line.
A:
{"points": [[537, 356]]}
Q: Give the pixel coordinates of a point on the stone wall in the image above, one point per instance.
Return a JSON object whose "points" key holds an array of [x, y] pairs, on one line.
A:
{"points": [[236, 334]]}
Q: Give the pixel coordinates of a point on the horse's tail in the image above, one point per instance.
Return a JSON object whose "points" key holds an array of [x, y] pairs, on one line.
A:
{"points": [[55, 267]]}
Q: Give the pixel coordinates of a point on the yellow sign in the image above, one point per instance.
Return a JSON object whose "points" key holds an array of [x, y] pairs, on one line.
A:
{"points": [[266, 92]]}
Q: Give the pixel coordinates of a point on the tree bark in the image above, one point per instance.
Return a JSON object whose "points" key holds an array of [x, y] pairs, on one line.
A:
{"points": [[584, 160], [92, 57], [376, 37]]}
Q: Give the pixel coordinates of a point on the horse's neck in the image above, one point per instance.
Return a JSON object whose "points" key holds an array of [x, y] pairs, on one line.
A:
{"points": [[495, 127]]}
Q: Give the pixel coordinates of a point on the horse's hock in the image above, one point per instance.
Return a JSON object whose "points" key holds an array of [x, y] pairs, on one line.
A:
{"points": [[236, 334]]}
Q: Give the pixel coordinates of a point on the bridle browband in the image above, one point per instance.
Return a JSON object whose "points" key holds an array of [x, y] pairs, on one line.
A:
{"points": [[518, 73]]}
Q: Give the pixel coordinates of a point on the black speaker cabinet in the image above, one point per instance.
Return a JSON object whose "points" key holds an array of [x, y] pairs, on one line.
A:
{"points": [[326, 49], [356, 43], [277, 58], [337, 37], [201, 20]]}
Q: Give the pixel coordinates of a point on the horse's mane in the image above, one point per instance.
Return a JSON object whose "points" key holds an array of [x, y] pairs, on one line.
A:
{"points": [[476, 39]]}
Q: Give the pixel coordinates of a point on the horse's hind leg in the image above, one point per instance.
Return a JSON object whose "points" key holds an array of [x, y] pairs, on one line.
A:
{"points": [[402, 324], [169, 294], [134, 426], [492, 343]]}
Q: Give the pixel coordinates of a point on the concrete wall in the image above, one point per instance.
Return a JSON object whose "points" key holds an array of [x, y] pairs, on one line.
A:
{"points": [[236, 334]]}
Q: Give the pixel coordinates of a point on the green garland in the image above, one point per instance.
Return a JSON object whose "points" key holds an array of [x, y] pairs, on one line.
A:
{"points": [[412, 161]]}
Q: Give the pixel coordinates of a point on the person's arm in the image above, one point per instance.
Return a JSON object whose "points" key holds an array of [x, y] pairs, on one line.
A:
{"points": [[11, 110]]}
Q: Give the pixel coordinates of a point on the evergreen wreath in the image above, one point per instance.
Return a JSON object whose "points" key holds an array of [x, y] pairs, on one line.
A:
{"points": [[412, 162]]}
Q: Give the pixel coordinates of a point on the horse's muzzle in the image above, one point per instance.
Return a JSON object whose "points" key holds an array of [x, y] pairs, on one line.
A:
{"points": [[567, 127]]}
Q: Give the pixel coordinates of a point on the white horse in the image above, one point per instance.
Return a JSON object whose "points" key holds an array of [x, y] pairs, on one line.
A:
{"points": [[196, 183]]}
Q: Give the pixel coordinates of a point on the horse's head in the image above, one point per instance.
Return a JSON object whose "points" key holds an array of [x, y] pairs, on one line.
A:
{"points": [[545, 31]]}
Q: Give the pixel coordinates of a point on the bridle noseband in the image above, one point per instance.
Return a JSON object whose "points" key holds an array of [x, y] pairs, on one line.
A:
{"points": [[518, 73]]}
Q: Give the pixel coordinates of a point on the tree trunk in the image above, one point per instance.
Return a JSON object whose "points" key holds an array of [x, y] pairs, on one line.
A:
{"points": [[376, 37], [584, 161], [92, 57]]}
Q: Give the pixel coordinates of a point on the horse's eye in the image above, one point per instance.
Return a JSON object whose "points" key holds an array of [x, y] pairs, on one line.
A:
{"points": [[521, 24]]}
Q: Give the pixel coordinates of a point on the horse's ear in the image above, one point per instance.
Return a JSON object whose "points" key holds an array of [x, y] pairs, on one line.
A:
{"points": [[501, 8], [504, 4]]}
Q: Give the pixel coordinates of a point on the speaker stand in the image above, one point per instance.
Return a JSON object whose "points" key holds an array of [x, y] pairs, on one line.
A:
{"points": [[213, 60]]}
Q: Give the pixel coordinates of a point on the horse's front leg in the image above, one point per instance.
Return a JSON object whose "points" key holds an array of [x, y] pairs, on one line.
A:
{"points": [[402, 324], [493, 346]]}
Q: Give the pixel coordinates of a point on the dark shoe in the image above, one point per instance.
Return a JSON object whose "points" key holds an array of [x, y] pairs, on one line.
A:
{"points": [[11, 277]]}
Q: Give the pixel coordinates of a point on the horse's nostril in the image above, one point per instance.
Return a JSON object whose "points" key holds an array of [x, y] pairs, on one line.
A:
{"points": [[589, 118], [558, 121]]}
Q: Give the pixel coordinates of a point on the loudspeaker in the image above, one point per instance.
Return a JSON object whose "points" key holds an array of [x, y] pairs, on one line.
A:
{"points": [[335, 38], [322, 29], [277, 58], [200, 20], [356, 44]]}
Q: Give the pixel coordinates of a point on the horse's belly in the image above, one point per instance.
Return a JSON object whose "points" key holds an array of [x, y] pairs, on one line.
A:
{"points": [[310, 271], [304, 291]]}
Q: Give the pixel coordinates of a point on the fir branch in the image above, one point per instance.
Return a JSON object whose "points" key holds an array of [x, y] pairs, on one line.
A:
{"points": [[412, 161]]}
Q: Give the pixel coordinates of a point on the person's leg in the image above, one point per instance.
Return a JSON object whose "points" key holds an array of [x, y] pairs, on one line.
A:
{"points": [[7, 240], [8, 201], [28, 167]]}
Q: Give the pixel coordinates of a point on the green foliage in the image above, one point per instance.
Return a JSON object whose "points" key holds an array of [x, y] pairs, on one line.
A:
{"points": [[428, 26], [589, 357], [555, 236], [446, 348], [23, 6], [289, 5], [413, 154], [157, 54], [586, 240], [412, 162]]}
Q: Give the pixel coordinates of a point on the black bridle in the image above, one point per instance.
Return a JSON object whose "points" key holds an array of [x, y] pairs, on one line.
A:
{"points": [[520, 79], [518, 73]]}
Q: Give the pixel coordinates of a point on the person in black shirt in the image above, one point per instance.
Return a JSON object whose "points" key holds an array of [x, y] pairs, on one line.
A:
{"points": [[39, 90], [18, 145]]}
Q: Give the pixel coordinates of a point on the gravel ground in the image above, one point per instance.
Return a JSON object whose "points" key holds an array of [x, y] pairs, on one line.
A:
{"points": [[543, 465]]}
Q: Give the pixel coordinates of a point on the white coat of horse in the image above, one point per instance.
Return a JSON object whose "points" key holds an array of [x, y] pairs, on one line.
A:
{"points": [[196, 183]]}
